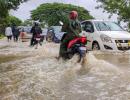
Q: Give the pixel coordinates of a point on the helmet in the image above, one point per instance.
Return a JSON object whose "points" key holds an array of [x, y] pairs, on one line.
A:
{"points": [[36, 23], [73, 15]]}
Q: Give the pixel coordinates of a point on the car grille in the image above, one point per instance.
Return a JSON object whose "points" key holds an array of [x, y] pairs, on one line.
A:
{"points": [[123, 44], [121, 41], [123, 48]]}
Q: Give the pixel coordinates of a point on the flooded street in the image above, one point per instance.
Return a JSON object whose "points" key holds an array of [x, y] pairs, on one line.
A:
{"points": [[27, 73]]}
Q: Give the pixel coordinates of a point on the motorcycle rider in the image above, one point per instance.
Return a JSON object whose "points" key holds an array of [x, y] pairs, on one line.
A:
{"points": [[72, 29], [36, 30]]}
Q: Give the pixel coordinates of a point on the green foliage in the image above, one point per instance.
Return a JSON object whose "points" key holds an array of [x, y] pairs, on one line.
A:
{"points": [[14, 20], [27, 22], [3, 8], [52, 13], [119, 7], [3, 24], [9, 20], [6, 5], [1, 36]]}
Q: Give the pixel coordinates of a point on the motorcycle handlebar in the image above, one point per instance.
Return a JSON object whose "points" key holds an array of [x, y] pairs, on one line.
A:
{"points": [[88, 41]]}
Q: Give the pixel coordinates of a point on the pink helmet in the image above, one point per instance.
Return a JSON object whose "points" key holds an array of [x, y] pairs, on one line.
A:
{"points": [[73, 15]]}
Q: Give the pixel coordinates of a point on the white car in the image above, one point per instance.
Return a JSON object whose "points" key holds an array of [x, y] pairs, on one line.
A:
{"points": [[105, 35]]}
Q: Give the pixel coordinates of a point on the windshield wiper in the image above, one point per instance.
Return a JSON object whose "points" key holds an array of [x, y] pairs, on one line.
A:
{"points": [[109, 29], [99, 27]]}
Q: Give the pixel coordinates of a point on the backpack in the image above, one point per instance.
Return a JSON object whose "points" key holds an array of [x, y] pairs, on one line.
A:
{"points": [[38, 30]]}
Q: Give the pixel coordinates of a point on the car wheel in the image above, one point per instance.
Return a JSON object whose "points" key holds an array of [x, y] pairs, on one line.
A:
{"points": [[49, 39], [95, 46]]}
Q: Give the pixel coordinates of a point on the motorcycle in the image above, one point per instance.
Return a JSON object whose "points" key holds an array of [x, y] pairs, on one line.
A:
{"points": [[38, 39], [76, 46]]}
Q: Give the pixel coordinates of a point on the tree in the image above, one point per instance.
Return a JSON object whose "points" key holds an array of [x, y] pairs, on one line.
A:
{"points": [[6, 5], [27, 22], [52, 13], [9, 20], [14, 20], [119, 7]]}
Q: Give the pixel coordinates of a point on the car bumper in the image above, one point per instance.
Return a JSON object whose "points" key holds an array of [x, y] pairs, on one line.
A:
{"points": [[117, 45]]}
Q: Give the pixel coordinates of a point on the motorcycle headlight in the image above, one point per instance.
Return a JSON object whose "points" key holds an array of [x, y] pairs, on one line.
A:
{"points": [[105, 38]]}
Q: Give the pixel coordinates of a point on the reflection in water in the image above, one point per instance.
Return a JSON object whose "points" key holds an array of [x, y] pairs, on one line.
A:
{"points": [[36, 75], [7, 58]]}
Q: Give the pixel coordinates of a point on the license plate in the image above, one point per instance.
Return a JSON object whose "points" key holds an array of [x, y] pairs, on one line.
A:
{"points": [[37, 39], [124, 45], [83, 48], [128, 43]]}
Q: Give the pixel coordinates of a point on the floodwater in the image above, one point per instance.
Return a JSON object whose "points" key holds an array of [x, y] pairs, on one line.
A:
{"points": [[34, 74]]}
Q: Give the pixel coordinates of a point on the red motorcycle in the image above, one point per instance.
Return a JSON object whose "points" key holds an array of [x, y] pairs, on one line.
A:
{"points": [[37, 40], [77, 46]]}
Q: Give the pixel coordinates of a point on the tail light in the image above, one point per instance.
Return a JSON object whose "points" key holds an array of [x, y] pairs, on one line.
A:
{"points": [[83, 40]]}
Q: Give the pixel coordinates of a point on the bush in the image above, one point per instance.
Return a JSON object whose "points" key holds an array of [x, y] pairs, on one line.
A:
{"points": [[1, 36]]}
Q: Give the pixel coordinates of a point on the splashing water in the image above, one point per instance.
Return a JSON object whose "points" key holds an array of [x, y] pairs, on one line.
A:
{"points": [[39, 76]]}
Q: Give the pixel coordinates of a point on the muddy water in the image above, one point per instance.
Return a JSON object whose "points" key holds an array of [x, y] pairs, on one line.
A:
{"points": [[35, 74]]}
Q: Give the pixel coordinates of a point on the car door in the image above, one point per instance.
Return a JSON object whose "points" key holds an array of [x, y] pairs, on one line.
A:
{"points": [[88, 31]]}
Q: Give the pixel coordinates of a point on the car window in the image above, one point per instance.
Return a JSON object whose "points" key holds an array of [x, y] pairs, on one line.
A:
{"points": [[107, 26], [101, 26], [88, 27], [83, 26]]}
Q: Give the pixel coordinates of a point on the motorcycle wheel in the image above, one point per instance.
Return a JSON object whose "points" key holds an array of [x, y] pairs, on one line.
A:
{"points": [[81, 57], [70, 56]]}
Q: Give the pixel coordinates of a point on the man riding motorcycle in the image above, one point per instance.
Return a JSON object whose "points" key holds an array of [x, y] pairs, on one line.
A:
{"points": [[36, 31], [72, 29]]}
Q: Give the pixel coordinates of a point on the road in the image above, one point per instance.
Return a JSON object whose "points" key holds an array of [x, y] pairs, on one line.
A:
{"points": [[27, 73]]}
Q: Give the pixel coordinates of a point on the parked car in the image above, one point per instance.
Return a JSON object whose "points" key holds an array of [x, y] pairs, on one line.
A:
{"points": [[105, 35], [54, 34], [50, 35], [27, 29]]}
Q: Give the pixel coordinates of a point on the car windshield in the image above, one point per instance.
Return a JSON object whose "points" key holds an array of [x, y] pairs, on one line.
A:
{"points": [[107, 26]]}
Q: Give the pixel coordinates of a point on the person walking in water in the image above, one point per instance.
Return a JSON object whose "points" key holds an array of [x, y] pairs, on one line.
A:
{"points": [[16, 33], [22, 35], [8, 33]]}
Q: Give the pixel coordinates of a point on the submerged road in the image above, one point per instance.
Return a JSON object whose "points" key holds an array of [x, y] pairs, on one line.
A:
{"points": [[27, 73]]}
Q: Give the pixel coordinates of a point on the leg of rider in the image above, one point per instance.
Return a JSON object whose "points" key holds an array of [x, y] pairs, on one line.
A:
{"points": [[63, 47]]}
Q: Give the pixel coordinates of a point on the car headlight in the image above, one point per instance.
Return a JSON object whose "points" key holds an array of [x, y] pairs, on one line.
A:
{"points": [[105, 38]]}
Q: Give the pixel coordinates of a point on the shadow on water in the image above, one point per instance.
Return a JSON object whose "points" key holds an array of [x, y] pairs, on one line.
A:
{"points": [[7, 58], [4, 47]]}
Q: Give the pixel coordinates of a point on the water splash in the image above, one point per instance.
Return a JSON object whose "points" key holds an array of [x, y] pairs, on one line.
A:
{"points": [[40, 76]]}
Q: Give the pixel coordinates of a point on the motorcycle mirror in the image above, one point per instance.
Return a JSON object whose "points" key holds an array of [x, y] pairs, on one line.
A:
{"points": [[61, 23]]}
